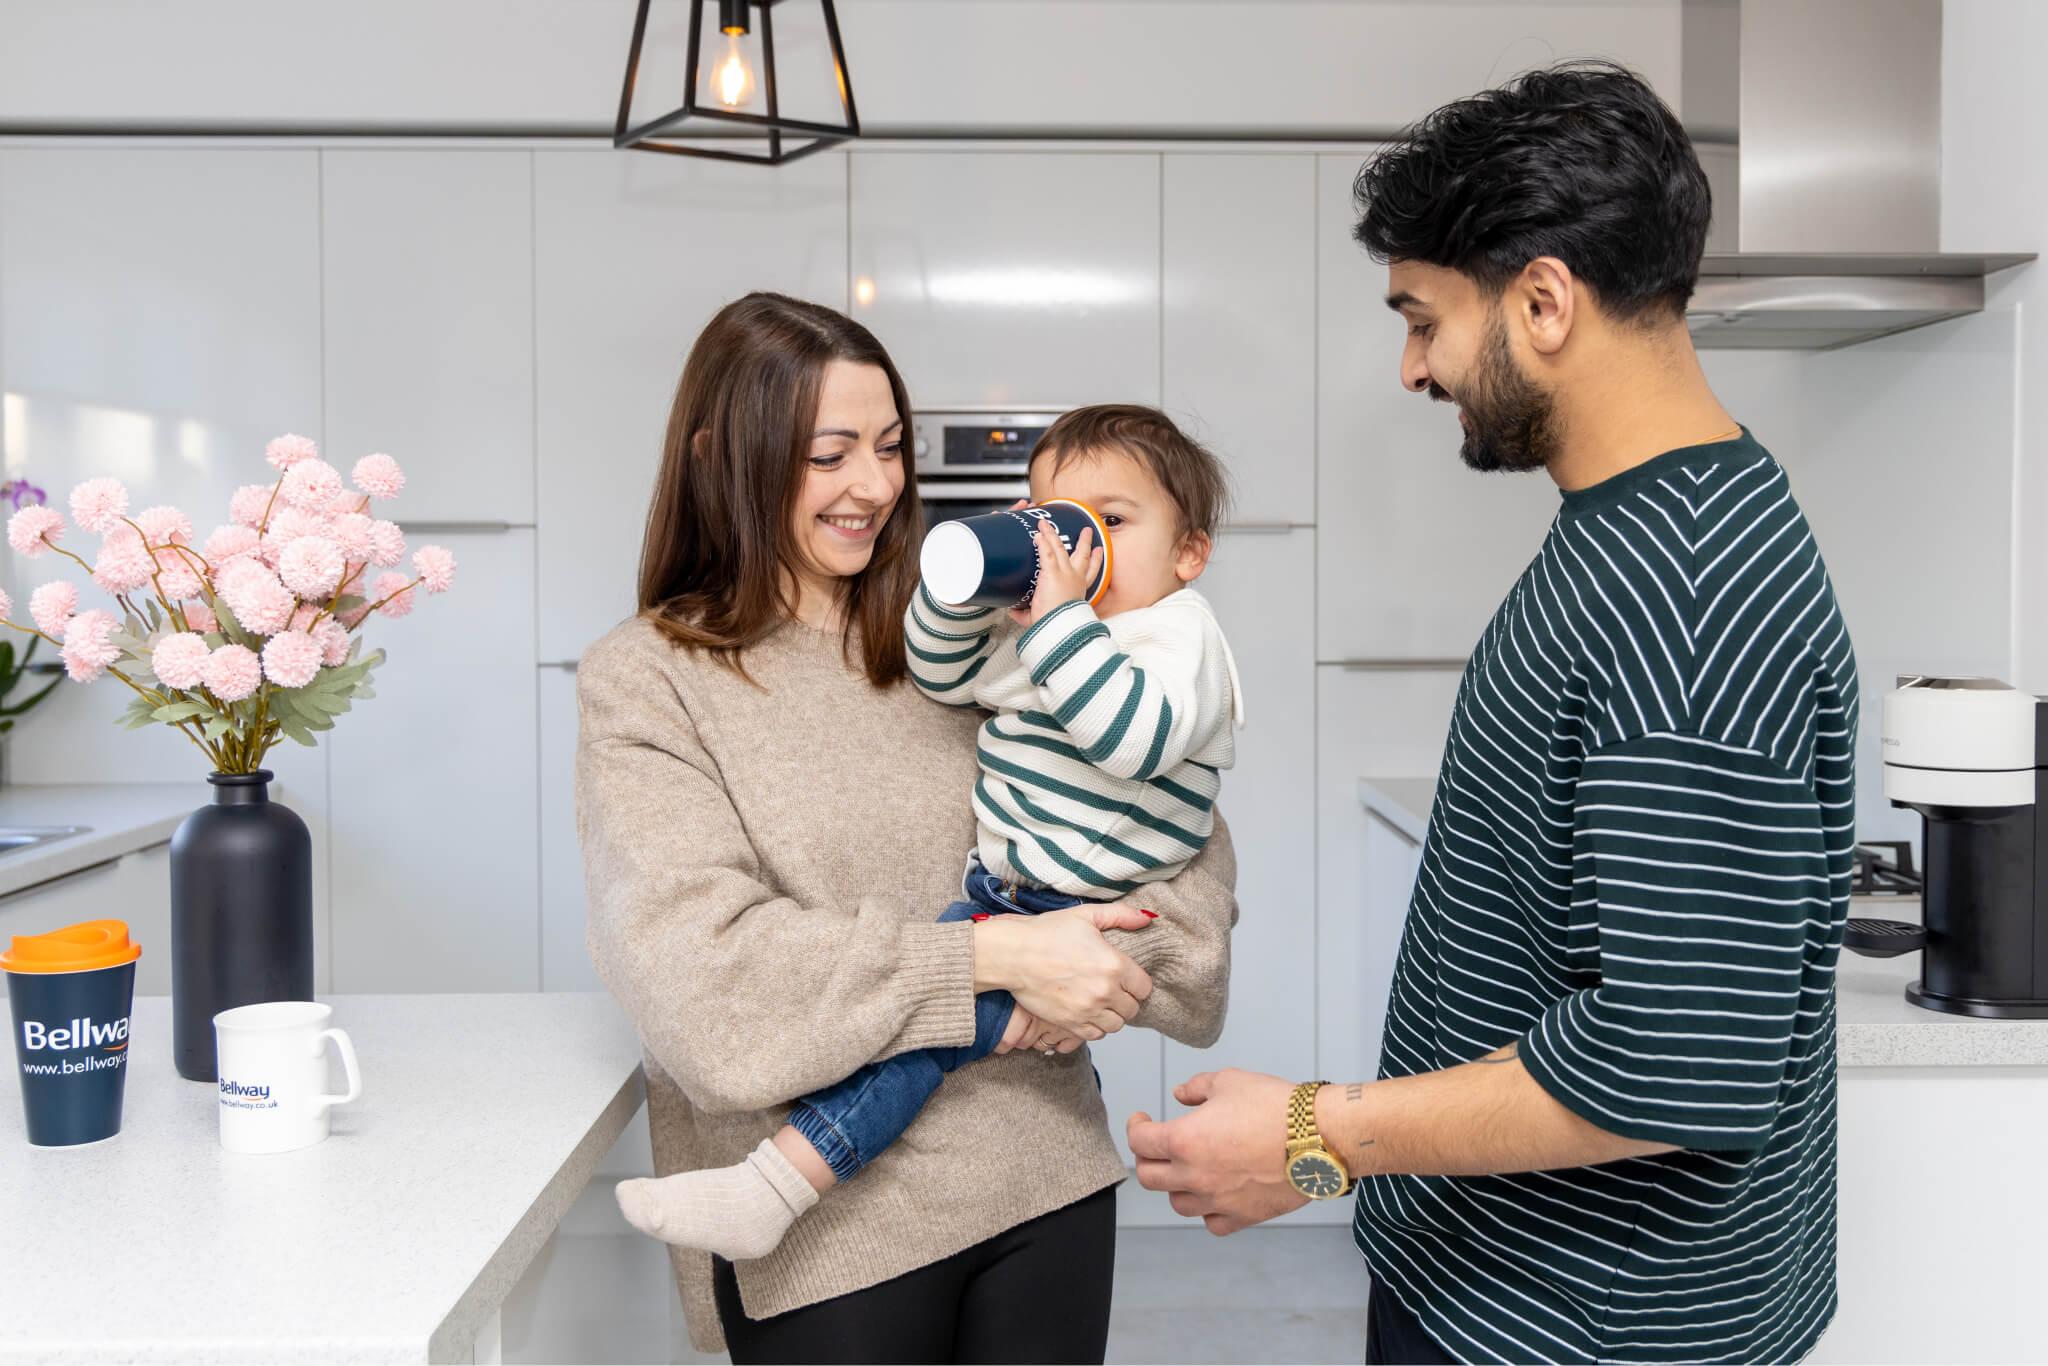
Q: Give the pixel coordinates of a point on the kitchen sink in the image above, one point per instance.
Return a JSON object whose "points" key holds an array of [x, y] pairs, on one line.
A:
{"points": [[15, 838]]}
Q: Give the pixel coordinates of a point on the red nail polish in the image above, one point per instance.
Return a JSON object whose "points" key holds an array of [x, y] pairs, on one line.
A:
{"points": [[1153, 914], [978, 917]]}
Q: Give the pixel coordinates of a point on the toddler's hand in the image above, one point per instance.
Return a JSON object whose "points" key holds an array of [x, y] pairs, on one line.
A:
{"points": [[1062, 578]]}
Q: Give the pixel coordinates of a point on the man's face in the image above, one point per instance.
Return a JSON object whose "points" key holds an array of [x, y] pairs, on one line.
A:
{"points": [[1459, 350]]}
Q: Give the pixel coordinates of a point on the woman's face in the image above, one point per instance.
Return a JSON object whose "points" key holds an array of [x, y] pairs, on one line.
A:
{"points": [[855, 472]]}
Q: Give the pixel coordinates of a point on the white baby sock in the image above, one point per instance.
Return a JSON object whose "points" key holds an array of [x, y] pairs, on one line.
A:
{"points": [[738, 1212]]}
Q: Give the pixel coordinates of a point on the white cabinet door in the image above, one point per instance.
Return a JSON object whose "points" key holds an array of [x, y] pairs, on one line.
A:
{"points": [[1258, 583], [1240, 322], [436, 812], [1386, 725], [427, 261], [1025, 278], [634, 254], [1416, 550], [564, 959]]}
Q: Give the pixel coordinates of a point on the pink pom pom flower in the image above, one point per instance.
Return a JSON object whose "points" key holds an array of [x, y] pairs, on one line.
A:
{"points": [[393, 586], [387, 543], [164, 525], [199, 616], [6, 603], [291, 659], [257, 598], [123, 565], [229, 543], [99, 504], [179, 659], [436, 567], [351, 531], [311, 566], [176, 578], [311, 484], [34, 530], [232, 672], [87, 652], [53, 606], [378, 476], [333, 638], [249, 504], [290, 449]]}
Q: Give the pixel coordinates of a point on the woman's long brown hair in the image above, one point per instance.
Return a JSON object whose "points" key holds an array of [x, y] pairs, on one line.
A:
{"points": [[718, 561]]}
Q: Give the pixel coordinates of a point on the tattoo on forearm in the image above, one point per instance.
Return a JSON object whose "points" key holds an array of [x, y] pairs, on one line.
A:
{"points": [[1355, 1091], [1507, 1056], [1367, 1142]]}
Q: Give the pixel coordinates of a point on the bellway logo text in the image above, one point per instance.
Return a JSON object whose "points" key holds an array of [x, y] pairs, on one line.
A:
{"points": [[84, 1032], [236, 1096]]}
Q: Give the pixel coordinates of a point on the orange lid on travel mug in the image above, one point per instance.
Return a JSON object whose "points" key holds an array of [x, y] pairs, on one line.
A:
{"points": [[83, 947]]}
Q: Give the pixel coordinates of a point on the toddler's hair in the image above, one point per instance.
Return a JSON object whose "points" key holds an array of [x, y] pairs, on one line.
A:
{"points": [[1186, 469]]}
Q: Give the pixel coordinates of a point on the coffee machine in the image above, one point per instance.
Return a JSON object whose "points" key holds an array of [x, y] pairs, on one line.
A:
{"points": [[1971, 756]]}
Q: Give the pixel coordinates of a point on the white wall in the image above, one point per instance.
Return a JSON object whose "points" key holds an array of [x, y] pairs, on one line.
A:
{"points": [[1349, 66]]}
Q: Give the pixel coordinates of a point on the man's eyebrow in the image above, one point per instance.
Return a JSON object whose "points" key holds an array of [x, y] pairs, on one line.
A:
{"points": [[1401, 299]]}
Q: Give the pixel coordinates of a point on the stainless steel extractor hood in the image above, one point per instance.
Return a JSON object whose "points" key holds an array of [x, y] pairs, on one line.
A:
{"points": [[1838, 181]]}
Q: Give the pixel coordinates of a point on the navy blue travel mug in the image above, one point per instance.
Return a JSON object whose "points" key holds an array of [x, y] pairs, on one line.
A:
{"points": [[72, 991], [992, 560]]}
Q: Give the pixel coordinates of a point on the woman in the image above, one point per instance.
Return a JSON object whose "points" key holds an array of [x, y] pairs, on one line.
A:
{"points": [[771, 820]]}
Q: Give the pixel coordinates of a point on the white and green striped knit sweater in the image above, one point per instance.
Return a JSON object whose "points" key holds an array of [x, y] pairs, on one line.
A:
{"points": [[1100, 767]]}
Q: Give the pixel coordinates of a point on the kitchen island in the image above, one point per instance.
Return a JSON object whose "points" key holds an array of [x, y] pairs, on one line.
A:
{"points": [[1940, 1121], [481, 1119]]}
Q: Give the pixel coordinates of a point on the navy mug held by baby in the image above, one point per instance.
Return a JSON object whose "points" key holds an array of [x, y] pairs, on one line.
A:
{"points": [[992, 560]]}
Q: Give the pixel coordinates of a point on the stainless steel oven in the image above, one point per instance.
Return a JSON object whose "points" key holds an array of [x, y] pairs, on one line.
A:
{"points": [[974, 460]]}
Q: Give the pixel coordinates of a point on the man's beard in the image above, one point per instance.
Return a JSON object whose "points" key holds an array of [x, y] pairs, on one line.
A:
{"points": [[1510, 422]]}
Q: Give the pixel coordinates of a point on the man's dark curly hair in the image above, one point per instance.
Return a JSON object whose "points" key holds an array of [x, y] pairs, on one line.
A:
{"points": [[1579, 161]]}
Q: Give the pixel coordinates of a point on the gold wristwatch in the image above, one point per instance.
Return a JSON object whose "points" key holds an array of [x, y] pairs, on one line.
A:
{"points": [[1312, 1169]]}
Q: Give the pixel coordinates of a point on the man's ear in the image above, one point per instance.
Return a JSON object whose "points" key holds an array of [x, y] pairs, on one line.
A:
{"points": [[1191, 557], [1544, 302]]}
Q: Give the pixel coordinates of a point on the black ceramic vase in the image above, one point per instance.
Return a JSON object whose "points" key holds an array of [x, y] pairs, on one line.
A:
{"points": [[241, 912]]}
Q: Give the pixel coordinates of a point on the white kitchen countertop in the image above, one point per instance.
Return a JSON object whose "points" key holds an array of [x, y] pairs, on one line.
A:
{"points": [[1876, 1027], [482, 1117], [122, 817]]}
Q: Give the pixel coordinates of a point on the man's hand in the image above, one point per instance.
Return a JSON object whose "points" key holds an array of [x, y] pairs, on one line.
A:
{"points": [[1225, 1162], [1062, 578]]}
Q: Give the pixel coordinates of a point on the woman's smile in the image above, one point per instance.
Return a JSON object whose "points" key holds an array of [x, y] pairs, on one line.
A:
{"points": [[853, 528]]}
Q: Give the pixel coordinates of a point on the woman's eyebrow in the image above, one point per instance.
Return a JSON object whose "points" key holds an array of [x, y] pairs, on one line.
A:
{"points": [[851, 434]]}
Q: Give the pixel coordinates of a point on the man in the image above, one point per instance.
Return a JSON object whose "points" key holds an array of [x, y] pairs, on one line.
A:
{"points": [[1604, 1125]]}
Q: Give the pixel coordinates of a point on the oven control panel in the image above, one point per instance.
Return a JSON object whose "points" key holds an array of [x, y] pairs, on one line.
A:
{"points": [[978, 443]]}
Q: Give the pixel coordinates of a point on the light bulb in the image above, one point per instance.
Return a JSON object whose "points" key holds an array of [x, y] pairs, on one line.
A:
{"points": [[732, 79]]}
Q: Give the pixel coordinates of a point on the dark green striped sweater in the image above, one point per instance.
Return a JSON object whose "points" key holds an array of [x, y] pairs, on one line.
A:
{"points": [[1638, 867]]}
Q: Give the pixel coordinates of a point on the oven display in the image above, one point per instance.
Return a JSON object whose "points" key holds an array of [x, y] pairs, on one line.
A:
{"points": [[968, 446]]}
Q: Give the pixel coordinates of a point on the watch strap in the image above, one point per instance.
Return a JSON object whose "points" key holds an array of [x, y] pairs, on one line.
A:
{"points": [[1301, 1115]]}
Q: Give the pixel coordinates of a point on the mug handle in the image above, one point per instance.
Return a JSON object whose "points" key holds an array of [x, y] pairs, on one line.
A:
{"points": [[348, 1067]]}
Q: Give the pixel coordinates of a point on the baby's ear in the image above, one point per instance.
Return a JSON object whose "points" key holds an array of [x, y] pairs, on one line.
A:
{"points": [[1192, 556]]}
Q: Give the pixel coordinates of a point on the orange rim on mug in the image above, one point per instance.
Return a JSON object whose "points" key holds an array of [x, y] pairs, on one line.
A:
{"points": [[1101, 539]]}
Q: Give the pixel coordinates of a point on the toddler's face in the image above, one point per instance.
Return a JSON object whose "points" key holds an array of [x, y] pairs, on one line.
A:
{"points": [[1153, 558]]}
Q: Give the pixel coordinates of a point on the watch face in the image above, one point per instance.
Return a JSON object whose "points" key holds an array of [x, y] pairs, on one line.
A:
{"points": [[1316, 1176]]}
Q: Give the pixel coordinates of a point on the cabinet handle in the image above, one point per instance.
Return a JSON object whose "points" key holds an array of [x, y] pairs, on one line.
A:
{"points": [[567, 665], [1265, 528], [462, 528], [1363, 666]]}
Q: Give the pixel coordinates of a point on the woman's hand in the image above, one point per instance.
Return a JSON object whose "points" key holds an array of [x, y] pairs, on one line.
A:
{"points": [[1061, 969]]}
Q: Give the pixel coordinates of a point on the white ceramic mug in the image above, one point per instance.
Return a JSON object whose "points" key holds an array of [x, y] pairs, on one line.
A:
{"points": [[273, 1075]]}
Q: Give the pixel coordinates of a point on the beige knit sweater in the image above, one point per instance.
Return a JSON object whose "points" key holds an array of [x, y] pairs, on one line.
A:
{"points": [[765, 865]]}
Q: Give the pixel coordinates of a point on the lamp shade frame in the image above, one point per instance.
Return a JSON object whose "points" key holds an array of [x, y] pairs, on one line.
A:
{"points": [[780, 132]]}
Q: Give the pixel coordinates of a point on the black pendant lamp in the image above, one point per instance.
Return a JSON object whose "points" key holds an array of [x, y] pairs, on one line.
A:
{"points": [[731, 95]]}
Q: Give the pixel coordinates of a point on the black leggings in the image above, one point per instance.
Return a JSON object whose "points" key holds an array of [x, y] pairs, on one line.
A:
{"points": [[1039, 1292]]}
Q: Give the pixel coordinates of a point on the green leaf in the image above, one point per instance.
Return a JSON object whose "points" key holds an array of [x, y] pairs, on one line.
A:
{"points": [[293, 730], [327, 702], [217, 727], [131, 642], [180, 711], [363, 692], [348, 602]]}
